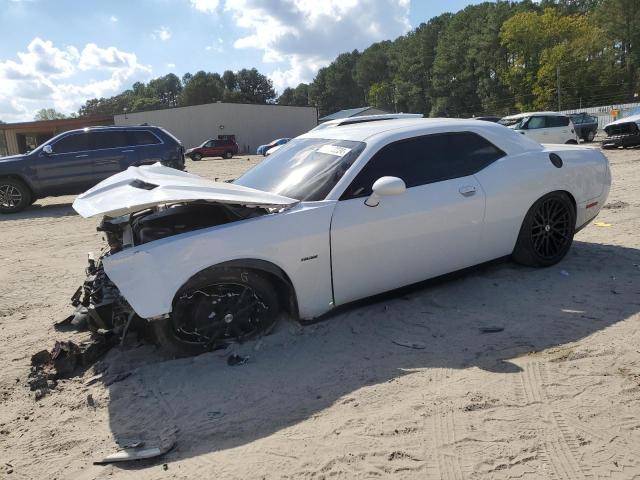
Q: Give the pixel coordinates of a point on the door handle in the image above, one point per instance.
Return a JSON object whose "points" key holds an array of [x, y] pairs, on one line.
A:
{"points": [[126, 151], [82, 156], [467, 190]]}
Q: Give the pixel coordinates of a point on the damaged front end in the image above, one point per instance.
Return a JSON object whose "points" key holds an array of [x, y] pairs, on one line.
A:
{"points": [[99, 306]]}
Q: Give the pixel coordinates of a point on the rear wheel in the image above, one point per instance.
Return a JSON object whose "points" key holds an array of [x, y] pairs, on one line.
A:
{"points": [[14, 195], [216, 308], [196, 157], [227, 155], [547, 231], [571, 142], [590, 136]]}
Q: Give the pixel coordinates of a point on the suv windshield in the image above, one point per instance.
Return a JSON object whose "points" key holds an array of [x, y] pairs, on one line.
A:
{"points": [[515, 123], [304, 169]]}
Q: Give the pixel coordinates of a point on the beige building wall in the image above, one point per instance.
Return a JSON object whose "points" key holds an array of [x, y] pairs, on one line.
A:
{"points": [[253, 125]]}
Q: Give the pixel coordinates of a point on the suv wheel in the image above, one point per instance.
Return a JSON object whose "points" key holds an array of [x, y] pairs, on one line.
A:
{"points": [[14, 195], [227, 155], [196, 157], [590, 136]]}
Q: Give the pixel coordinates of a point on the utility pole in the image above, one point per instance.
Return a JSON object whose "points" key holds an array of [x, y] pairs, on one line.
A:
{"points": [[558, 85]]}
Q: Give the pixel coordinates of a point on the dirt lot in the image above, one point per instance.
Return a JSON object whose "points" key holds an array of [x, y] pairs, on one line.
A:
{"points": [[555, 395]]}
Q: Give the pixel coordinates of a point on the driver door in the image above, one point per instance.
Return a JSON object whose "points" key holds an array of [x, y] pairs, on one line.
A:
{"points": [[433, 228]]}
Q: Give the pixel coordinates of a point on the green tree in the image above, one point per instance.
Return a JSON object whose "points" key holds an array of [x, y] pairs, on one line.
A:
{"points": [[254, 87], [298, 96], [49, 114], [335, 87], [203, 87]]}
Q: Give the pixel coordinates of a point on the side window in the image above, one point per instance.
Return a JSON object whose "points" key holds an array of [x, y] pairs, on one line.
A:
{"points": [[108, 139], [557, 121], [537, 122], [427, 159], [210, 144], [75, 142], [142, 137]]}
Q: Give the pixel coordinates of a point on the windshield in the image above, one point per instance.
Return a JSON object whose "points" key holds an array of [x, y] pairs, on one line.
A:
{"points": [[304, 169], [515, 123]]}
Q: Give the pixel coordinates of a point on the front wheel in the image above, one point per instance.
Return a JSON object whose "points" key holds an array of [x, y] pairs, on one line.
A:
{"points": [[14, 195], [547, 231], [216, 308], [196, 157]]}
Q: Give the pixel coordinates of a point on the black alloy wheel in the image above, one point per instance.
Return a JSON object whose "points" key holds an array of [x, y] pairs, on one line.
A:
{"points": [[216, 312], [547, 231]]}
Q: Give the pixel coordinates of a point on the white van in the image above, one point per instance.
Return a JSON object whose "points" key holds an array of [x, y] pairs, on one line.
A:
{"points": [[543, 127]]}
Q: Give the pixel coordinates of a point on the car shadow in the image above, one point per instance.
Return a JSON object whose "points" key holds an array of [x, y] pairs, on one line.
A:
{"points": [[298, 371], [50, 210]]}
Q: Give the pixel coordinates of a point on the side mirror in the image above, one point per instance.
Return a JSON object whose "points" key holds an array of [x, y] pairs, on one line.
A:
{"points": [[47, 150], [385, 187]]}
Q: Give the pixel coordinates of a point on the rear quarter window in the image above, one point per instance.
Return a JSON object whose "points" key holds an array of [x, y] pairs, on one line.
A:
{"points": [[426, 159], [142, 137]]}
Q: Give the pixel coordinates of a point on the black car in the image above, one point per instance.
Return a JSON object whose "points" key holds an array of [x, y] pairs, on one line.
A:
{"points": [[75, 161], [586, 125]]}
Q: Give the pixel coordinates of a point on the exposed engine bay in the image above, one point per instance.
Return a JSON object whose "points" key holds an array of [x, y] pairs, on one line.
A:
{"points": [[98, 303]]}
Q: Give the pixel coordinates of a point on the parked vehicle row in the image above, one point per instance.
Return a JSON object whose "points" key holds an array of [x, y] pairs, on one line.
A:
{"points": [[543, 127], [76, 160], [333, 216]]}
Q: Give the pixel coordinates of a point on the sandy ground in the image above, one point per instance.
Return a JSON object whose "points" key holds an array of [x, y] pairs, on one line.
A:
{"points": [[555, 395]]}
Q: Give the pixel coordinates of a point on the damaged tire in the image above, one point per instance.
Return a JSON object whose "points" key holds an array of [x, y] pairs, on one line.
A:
{"points": [[218, 307]]}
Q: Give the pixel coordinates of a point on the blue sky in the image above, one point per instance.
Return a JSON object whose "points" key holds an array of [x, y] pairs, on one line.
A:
{"points": [[60, 53]]}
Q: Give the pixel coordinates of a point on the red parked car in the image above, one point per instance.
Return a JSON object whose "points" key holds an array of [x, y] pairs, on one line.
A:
{"points": [[222, 147]]}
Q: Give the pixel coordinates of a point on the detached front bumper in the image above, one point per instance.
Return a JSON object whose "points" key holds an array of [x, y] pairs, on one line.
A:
{"points": [[628, 140], [98, 303]]}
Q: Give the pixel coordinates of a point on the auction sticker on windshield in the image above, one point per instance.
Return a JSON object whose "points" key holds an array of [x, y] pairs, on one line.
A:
{"points": [[334, 150]]}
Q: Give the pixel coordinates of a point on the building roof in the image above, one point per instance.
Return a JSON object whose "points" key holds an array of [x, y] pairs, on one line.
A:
{"points": [[350, 112], [75, 122]]}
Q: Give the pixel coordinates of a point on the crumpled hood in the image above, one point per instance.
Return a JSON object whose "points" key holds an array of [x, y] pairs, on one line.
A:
{"points": [[138, 188], [629, 119]]}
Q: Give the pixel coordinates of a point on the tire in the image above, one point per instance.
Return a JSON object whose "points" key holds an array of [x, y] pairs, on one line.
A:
{"points": [[590, 136], [14, 195], [196, 157], [227, 155], [192, 328], [547, 231], [571, 142]]}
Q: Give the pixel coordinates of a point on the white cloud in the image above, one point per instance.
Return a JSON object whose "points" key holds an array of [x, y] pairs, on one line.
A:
{"points": [[163, 33], [113, 18], [171, 65], [207, 6], [308, 34], [63, 78], [217, 46]]}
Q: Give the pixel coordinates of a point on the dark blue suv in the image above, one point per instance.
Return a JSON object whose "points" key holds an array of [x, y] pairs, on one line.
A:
{"points": [[75, 161]]}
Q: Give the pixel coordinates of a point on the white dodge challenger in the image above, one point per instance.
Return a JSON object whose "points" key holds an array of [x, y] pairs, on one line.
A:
{"points": [[334, 216]]}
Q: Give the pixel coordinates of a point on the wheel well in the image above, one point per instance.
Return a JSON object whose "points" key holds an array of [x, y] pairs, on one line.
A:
{"points": [[20, 179], [278, 277], [573, 200]]}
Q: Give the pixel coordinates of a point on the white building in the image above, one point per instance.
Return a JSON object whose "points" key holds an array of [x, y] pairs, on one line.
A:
{"points": [[252, 124]]}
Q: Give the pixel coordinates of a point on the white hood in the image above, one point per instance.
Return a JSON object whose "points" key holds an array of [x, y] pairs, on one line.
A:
{"points": [[629, 119], [138, 188]]}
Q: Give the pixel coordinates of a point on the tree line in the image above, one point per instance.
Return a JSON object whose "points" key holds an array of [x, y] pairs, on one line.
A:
{"points": [[491, 58]]}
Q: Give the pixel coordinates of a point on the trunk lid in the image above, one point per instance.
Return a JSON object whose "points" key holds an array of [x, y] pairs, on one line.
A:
{"points": [[147, 186]]}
